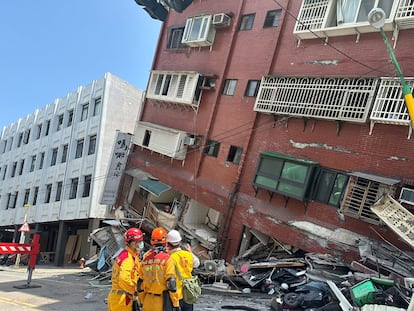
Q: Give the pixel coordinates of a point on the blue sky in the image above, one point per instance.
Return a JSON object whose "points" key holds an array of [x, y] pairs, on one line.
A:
{"points": [[49, 48]]}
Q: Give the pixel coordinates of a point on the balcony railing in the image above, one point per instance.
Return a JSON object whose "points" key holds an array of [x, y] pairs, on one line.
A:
{"points": [[345, 99]]}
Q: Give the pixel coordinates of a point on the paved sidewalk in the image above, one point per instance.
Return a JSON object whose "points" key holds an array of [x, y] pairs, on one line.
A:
{"points": [[72, 288]]}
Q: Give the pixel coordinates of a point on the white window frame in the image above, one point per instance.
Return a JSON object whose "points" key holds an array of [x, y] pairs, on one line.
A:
{"points": [[320, 19], [174, 86], [199, 31]]}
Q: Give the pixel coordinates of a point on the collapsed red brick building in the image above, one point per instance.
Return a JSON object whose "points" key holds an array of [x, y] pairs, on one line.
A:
{"points": [[280, 121]]}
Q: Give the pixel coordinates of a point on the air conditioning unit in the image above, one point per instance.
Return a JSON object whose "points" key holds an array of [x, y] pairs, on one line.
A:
{"points": [[221, 19], [407, 196], [190, 140]]}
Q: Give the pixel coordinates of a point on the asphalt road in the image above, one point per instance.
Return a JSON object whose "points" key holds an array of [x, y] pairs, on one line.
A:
{"points": [[72, 289]]}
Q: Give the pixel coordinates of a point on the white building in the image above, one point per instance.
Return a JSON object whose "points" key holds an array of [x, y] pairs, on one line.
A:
{"points": [[54, 164]]}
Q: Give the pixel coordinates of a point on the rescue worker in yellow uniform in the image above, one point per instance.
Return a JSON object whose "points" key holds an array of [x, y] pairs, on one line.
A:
{"points": [[125, 272], [185, 261], [157, 287]]}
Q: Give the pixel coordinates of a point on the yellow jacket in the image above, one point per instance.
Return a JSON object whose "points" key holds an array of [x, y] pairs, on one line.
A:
{"points": [[125, 271], [156, 268], [184, 263]]}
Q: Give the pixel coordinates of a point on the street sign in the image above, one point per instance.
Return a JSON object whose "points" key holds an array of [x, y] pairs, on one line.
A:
{"points": [[25, 227]]}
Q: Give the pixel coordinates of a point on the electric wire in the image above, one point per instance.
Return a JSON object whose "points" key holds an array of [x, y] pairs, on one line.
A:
{"points": [[372, 69]]}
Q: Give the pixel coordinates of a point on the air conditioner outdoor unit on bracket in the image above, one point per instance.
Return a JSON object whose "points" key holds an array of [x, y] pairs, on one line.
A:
{"points": [[221, 19], [190, 141], [407, 196]]}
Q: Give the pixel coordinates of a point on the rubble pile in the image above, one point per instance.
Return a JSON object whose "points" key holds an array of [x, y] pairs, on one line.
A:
{"points": [[314, 281], [291, 278]]}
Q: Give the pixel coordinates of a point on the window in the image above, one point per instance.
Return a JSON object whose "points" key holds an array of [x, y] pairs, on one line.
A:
{"points": [[147, 138], [14, 168], [174, 38], [54, 156], [13, 200], [285, 175], [97, 106], [38, 131], [350, 99], [70, 118], [42, 160], [363, 190], [86, 186], [175, 86], [59, 191], [73, 188], [229, 87], [329, 18], [272, 18], [64, 154], [48, 193], [212, 148], [330, 186], [3, 146], [21, 167], [247, 22], [26, 196], [199, 31], [33, 163], [4, 172], [20, 140], [47, 128], [26, 137], [79, 149], [36, 192], [252, 88], [234, 154], [92, 144], [84, 113], [59, 122], [11, 143]]}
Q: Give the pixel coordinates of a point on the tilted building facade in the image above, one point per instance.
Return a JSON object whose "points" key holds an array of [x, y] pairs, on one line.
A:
{"points": [[277, 121]]}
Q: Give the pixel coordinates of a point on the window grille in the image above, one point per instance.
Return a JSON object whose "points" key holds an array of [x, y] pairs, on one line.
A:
{"points": [[361, 194], [345, 99], [174, 87], [405, 14], [389, 105], [330, 18]]}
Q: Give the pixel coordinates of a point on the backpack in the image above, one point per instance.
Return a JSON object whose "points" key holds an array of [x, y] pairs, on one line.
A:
{"points": [[191, 289]]}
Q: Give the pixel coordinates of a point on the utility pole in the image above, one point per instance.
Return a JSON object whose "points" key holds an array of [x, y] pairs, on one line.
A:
{"points": [[376, 18]]}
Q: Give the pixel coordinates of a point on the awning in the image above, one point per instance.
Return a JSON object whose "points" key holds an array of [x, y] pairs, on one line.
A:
{"points": [[154, 187], [380, 179]]}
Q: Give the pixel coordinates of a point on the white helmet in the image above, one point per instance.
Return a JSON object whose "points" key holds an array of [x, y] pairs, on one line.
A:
{"points": [[174, 237]]}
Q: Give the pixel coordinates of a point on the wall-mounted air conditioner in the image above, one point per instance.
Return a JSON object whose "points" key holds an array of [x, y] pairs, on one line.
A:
{"points": [[407, 196], [190, 140], [221, 19]]}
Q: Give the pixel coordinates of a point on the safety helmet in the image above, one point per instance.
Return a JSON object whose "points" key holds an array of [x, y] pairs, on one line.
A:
{"points": [[133, 234], [158, 236], [174, 237]]}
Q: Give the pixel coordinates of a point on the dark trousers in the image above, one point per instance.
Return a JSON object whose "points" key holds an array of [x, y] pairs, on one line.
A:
{"points": [[186, 306]]}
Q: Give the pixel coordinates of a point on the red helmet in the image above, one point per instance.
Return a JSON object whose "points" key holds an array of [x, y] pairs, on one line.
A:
{"points": [[158, 236], [133, 234]]}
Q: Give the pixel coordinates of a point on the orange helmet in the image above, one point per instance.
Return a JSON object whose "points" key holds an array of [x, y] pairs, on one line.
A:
{"points": [[133, 234], [158, 236]]}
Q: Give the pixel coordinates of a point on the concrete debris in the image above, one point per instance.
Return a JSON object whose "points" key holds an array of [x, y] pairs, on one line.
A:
{"points": [[291, 279]]}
